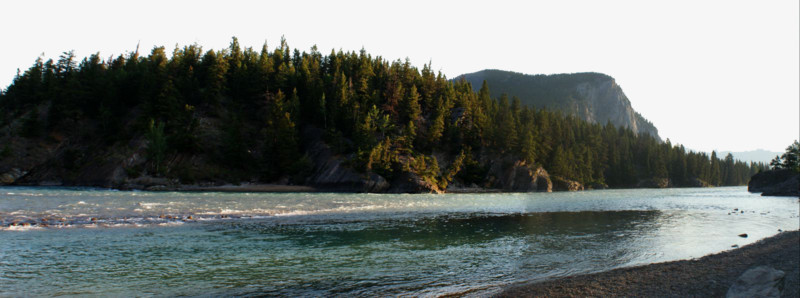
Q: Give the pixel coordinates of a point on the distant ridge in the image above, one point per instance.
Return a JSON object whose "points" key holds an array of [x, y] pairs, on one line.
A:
{"points": [[759, 155], [593, 97]]}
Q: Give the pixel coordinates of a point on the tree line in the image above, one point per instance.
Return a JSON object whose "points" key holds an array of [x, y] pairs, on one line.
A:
{"points": [[385, 117]]}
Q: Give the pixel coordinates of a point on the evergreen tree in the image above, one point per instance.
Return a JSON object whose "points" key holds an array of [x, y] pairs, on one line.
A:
{"points": [[791, 159], [156, 145], [242, 111], [776, 163], [714, 178]]}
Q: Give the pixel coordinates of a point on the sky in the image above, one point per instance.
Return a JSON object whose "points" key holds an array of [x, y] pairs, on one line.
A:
{"points": [[711, 75]]}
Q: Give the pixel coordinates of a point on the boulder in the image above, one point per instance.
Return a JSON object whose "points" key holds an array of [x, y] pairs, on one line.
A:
{"points": [[522, 178], [762, 281], [564, 184], [775, 183]]}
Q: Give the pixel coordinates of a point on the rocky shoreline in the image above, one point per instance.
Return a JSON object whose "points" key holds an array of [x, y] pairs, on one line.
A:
{"points": [[709, 276], [780, 182]]}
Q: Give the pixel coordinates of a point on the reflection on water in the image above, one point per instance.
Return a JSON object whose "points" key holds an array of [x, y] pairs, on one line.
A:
{"points": [[336, 244]]}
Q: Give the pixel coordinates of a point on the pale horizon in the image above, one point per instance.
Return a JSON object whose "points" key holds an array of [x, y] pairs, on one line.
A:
{"points": [[711, 75]]}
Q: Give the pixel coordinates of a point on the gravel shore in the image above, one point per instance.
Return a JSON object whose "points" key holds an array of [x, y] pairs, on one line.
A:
{"points": [[711, 275]]}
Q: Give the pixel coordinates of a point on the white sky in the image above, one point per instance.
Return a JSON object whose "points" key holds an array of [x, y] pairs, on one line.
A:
{"points": [[709, 74]]}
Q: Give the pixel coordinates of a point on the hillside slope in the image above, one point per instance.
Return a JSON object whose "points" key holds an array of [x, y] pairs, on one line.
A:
{"points": [[593, 97], [341, 122]]}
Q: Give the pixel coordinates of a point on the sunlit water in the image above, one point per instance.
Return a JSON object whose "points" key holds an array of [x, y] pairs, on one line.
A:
{"points": [[56, 241]]}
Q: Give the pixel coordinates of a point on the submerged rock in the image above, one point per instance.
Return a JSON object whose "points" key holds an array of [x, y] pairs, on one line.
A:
{"points": [[762, 281]]}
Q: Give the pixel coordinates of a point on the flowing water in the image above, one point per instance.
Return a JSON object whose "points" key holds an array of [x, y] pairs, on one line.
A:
{"points": [[62, 241]]}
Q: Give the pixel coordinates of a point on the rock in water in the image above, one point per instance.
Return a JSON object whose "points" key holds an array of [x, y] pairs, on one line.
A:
{"points": [[743, 235], [762, 281]]}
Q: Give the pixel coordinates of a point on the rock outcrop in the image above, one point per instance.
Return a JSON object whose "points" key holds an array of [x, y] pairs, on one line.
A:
{"points": [[412, 183], [11, 176], [593, 97], [603, 101], [563, 184], [517, 176], [775, 183], [330, 173], [69, 166]]}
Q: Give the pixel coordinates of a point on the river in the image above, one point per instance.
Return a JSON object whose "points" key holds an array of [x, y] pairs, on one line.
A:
{"points": [[87, 242]]}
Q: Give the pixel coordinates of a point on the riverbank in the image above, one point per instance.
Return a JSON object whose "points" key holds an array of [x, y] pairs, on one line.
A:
{"points": [[711, 275], [247, 187]]}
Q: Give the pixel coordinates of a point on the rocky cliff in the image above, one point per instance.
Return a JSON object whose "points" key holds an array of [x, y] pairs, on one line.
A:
{"points": [[593, 97]]}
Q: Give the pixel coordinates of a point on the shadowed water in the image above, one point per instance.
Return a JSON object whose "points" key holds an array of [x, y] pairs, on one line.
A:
{"points": [[57, 241]]}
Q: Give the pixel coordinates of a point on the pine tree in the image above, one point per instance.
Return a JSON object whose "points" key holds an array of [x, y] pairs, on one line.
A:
{"points": [[714, 178], [156, 145], [791, 159], [560, 164], [776, 163], [410, 107]]}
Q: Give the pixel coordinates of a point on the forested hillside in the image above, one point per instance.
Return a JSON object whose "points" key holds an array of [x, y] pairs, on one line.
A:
{"points": [[344, 121]]}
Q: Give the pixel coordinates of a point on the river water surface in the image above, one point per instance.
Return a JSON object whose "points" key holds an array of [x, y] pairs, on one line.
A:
{"points": [[62, 241]]}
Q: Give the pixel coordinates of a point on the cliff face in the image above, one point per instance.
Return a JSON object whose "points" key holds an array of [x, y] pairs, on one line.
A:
{"points": [[604, 101], [592, 97]]}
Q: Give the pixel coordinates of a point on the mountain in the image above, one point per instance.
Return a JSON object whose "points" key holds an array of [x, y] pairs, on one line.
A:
{"points": [[593, 97], [758, 155]]}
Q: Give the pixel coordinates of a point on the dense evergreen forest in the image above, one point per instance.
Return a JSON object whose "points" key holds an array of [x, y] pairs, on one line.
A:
{"points": [[240, 114]]}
